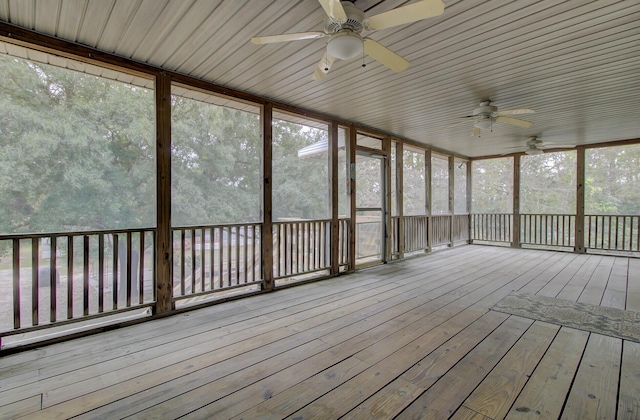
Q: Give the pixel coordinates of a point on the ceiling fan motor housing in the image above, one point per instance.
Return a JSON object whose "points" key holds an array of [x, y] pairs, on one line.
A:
{"points": [[485, 108], [355, 17]]}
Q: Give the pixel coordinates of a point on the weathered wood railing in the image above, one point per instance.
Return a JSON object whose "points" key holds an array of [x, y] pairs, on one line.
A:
{"points": [[441, 230], [491, 227], [61, 278], [415, 233], [210, 259], [612, 233], [460, 227], [304, 247], [548, 229]]}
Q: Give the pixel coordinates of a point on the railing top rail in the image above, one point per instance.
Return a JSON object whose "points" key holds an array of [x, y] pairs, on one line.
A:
{"points": [[612, 215], [281, 222], [72, 233], [503, 214], [190, 227], [547, 214]]}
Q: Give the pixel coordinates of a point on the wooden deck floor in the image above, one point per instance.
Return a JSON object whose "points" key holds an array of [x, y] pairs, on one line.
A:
{"points": [[414, 339]]}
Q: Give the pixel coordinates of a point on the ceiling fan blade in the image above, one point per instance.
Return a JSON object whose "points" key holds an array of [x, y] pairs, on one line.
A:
{"points": [[270, 39], [515, 112], [475, 132], [456, 124], [334, 9], [323, 67], [419, 10], [384, 55], [514, 121], [557, 146]]}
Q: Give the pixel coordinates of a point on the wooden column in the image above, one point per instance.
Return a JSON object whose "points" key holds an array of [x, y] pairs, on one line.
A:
{"points": [[164, 254], [351, 153], [266, 237], [333, 187], [427, 185], [452, 185], [515, 235], [386, 173], [469, 199], [400, 196], [580, 180]]}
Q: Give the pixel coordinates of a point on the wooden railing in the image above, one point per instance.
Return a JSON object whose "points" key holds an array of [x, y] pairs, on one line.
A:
{"points": [[304, 246], [60, 278], [460, 228], [612, 233], [208, 259], [441, 230], [491, 227], [548, 229], [415, 233]]}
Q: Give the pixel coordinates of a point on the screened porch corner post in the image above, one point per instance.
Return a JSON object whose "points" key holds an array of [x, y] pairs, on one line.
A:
{"points": [[515, 233], [451, 166], [579, 247], [400, 198], [387, 252], [469, 202], [266, 241], [333, 202], [351, 150], [164, 247], [428, 168]]}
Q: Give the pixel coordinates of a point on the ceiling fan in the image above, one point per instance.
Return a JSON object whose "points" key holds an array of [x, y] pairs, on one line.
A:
{"points": [[486, 114], [345, 22], [535, 146]]}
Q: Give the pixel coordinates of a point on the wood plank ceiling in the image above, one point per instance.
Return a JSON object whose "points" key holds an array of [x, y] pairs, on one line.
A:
{"points": [[576, 62]]}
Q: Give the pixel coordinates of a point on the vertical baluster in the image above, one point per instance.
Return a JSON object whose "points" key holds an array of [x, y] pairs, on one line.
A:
{"points": [[221, 256], [128, 267], [53, 268], [254, 242], [183, 274], [141, 272], [114, 273], [85, 276], [245, 249], [624, 234], [193, 260], [203, 259], [153, 264], [35, 271], [101, 273], [212, 253], [70, 277], [229, 254], [637, 232], [615, 241], [610, 229], [16, 283], [238, 242]]}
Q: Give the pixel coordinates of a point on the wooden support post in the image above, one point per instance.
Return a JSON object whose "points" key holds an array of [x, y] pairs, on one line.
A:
{"points": [[428, 171], [386, 173], [452, 182], [164, 246], [469, 200], [351, 153], [580, 181], [333, 187], [515, 235], [400, 196], [266, 236]]}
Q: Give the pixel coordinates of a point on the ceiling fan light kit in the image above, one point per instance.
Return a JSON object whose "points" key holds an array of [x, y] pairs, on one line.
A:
{"points": [[344, 23], [345, 45]]}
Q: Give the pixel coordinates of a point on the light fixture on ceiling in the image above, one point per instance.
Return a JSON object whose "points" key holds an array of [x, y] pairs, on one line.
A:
{"points": [[345, 45], [534, 151], [483, 124]]}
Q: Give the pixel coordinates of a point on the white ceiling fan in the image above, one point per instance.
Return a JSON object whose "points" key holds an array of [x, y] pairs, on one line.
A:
{"points": [[345, 22], [486, 114], [535, 146]]}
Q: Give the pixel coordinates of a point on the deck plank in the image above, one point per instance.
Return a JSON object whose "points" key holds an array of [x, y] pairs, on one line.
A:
{"points": [[546, 391], [383, 342], [594, 392]]}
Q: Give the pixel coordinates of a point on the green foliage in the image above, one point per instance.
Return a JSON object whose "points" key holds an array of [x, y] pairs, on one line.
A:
{"points": [[492, 183], [77, 151], [548, 183]]}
